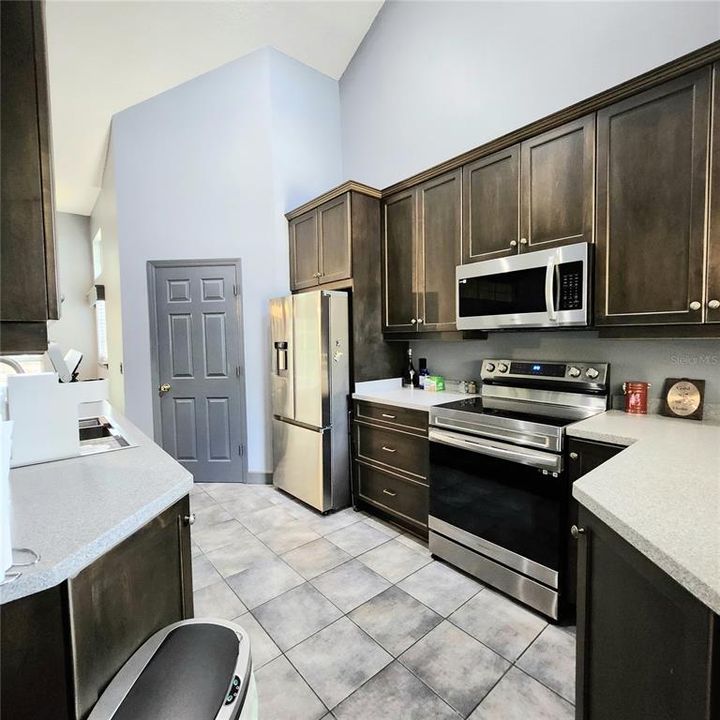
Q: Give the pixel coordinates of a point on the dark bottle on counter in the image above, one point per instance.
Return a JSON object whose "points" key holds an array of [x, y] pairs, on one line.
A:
{"points": [[410, 377], [423, 372]]}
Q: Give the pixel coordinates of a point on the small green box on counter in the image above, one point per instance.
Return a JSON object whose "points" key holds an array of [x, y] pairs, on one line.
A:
{"points": [[434, 383]]}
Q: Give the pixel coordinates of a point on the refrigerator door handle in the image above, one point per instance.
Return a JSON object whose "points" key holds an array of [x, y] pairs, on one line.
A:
{"points": [[281, 357]]}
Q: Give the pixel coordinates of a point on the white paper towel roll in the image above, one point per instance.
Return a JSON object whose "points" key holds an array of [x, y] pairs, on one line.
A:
{"points": [[6, 429]]}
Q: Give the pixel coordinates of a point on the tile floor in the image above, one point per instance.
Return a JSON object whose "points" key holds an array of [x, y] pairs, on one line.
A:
{"points": [[351, 619]]}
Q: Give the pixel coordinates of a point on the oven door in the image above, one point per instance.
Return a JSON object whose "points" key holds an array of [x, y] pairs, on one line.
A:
{"points": [[503, 501], [545, 288]]}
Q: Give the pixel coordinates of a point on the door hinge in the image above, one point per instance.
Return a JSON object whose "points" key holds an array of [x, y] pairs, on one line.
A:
{"points": [[241, 450]]}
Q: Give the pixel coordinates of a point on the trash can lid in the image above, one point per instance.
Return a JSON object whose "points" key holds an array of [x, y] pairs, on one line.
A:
{"points": [[187, 678]]}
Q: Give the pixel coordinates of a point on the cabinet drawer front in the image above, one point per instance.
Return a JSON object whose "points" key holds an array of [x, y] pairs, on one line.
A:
{"points": [[398, 450], [393, 494], [391, 416]]}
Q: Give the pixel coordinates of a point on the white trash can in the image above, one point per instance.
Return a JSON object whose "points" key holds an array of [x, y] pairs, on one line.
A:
{"points": [[198, 669]]}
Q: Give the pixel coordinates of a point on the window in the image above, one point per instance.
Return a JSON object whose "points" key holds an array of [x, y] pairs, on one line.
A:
{"points": [[101, 330], [97, 254]]}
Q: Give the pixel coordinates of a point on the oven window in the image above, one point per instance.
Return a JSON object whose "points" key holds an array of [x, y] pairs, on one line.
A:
{"points": [[520, 291], [510, 505]]}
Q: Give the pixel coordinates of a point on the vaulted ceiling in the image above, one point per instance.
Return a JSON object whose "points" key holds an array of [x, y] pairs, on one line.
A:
{"points": [[106, 56]]}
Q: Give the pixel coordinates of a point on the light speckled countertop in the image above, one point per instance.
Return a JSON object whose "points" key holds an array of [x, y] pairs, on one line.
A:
{"points": [[391, 392], [73, 511], [661, 494]]}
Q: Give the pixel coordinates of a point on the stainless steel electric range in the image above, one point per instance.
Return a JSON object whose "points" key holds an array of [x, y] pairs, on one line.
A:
{"points": [[499, 491]]}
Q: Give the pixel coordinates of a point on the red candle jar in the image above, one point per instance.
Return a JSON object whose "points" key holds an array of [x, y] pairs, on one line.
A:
{"points": [[636, 397]]}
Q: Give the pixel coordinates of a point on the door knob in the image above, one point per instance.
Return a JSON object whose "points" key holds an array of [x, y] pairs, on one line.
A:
{"points": [[695, 305], [523, 241], [189, 519], [164, 388], [513, 243], [576, 531], [574, 456], [714, 304], [413, 321]]}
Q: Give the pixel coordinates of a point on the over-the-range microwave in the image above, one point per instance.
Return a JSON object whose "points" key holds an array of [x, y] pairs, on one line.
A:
{"points": [[540, 289]]}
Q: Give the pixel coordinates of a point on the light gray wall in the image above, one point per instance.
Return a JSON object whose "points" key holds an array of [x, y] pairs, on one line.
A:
{"points": [[206, 170], [434, 79], [76, 326]]}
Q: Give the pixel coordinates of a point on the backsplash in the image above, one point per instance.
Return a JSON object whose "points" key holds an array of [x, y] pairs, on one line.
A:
{"points": [[649, 360]]}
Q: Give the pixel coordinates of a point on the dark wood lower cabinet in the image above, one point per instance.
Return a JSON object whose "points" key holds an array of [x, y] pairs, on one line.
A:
{"points": [[61, 647], [391, 452], [647, 648]]}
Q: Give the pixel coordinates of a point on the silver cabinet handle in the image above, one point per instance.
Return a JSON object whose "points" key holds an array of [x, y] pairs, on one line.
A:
{"points": [[189, 519], [714, 304], [390, 450], [389, 417], [523, 241], [695, 305], [513, 243], [413, 321], [576, 531], [389, 492], [574, 456]]}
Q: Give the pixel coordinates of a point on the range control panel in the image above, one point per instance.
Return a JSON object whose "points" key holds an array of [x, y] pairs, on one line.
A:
{"points": [[577, 372]]}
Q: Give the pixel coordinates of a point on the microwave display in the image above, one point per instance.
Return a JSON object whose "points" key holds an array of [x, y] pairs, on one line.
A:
{"points": [[571, 286]]}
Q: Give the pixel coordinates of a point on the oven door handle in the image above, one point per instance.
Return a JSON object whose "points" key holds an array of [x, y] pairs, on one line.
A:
{"points": [[549, 289], [533, 458]]}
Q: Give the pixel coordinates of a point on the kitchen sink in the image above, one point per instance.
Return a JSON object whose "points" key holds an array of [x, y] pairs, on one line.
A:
{"points": [[98, 434]]}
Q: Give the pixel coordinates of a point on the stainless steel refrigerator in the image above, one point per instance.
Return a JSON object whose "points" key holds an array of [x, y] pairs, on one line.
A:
{"points": [[310, 386]]}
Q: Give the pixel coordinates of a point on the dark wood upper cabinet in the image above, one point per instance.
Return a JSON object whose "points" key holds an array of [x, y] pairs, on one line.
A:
{"points": [[29, 292], [491, 206], [651, 185], [557, 186], [646, 648], [320, 245], [712, 300], [334, 235], [440, 237], [400, 262]]}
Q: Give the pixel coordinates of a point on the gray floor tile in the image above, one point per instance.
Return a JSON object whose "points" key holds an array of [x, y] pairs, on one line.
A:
{"points": [[440, 587], [315, 558], [263, 581], [232, 559], [288, 537], [383, 526], [200, 500], [394, 694], [211, 515], [414, 543], [393, 560], [518, 697], [217, 601], [350, 585], [551, 660], [498, 622], [203, 572], [326, 524], [301, 511], [284, 695], [227, 492], [457, 667], [274, 516], [357, 538], [246, 504], [195, 549], [338, 660], [296, 615], [262, 647], [212, 537], [395, 619]]}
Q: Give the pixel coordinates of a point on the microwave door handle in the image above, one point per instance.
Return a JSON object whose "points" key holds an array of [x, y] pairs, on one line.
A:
{"points": [[549, 287]]}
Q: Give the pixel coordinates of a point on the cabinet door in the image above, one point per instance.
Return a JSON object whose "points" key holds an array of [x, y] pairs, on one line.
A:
{"points": [[304, 251], [557, 186], [439, 246], [712, 300], [400, 262], [334, 231], [652, 157], [644, 643], [491, 193]]}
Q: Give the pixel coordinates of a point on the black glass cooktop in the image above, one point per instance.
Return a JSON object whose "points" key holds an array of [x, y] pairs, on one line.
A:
{"points": [[474, 405]]}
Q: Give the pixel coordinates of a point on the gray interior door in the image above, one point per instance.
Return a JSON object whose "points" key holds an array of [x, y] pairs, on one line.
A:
{"points": [[199, 392]]}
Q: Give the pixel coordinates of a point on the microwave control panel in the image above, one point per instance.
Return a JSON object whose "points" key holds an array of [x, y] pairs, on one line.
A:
{"points": [[571, 286]]}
